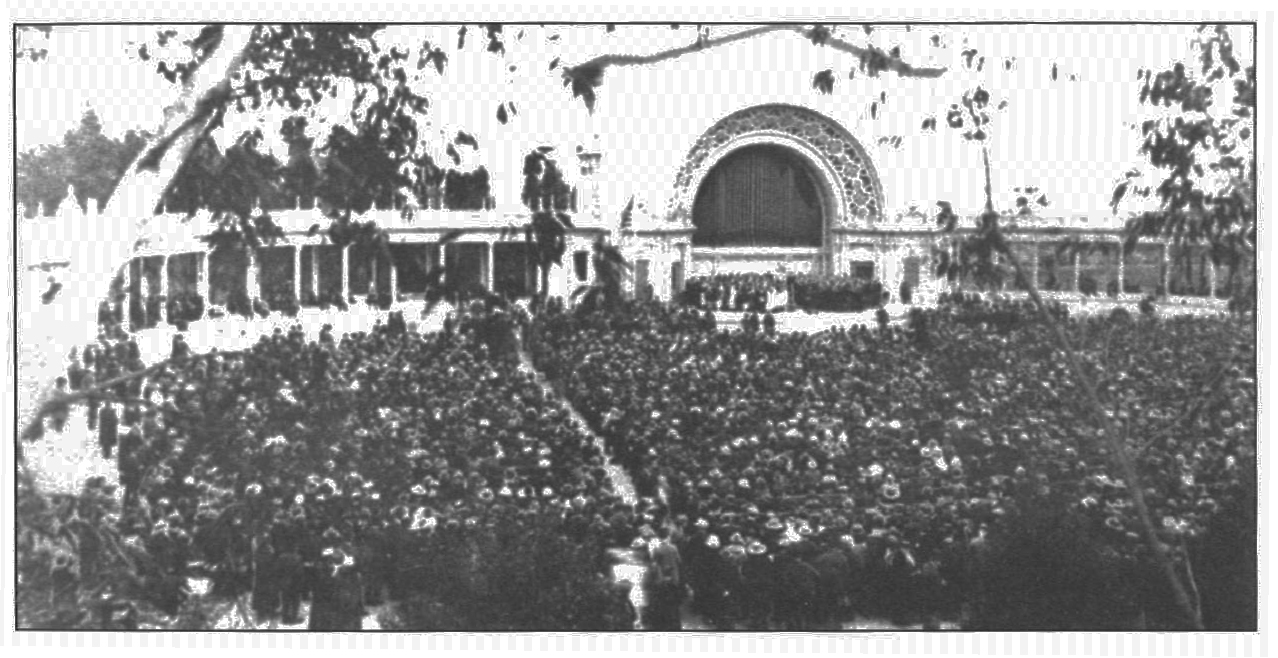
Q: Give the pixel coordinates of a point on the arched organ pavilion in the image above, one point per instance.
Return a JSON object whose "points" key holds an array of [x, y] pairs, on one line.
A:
{"points": [[769, 177]]}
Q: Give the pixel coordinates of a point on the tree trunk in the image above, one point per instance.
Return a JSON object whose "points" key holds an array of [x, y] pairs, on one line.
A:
{"points": [[52, 330], [1113, 440]]}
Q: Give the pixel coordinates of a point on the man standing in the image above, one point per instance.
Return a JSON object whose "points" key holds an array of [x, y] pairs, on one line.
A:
{"points": [[666, 584]]}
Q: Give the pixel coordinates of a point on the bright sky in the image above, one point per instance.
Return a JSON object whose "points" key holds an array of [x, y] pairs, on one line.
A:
{"points": [[1073, 138]]}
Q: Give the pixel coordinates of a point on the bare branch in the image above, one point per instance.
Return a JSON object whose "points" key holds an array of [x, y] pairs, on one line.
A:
{"points": [[699, 45], [56, 400], [1118, 453], [894, 64]]}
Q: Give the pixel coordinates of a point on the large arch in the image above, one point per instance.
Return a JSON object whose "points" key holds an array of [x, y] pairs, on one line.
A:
{"points": [[761, 195], [852, 183]]}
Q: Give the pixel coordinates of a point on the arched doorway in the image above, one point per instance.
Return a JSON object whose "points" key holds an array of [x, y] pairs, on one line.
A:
{"points": [[763, 195]]}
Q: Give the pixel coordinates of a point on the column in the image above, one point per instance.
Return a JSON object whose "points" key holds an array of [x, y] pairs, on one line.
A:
{"points": [[202, 278], [1211, 277], [1166, 278], [1122, 270], [1077, 272], [126, 314], [1033, 265], [953, 250], [251, 279], [394, 281], [346, 273], [164, 289], [297, 273], [488, 264]]}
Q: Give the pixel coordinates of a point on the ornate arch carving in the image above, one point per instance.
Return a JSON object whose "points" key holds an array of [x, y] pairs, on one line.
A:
{"points": [[834, 152]]}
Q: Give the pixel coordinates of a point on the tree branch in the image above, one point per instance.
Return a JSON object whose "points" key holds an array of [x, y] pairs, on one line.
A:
{"points": [[894, 64], [56, 400], [1118, 452]]}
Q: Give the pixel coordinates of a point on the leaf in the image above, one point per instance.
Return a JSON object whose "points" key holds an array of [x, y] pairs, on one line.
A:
{"points": [[819, 34], [466, 139], [929, 123], [626, 213], [439, 58], [554, 63], [1119, 192], [314, 230], [874, 110], [1054, 72], [502, 116], [453, 155], [461, 37], [823, 81], [1042, 200], [584, 80]]}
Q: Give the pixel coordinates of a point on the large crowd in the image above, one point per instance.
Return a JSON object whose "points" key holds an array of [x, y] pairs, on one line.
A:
{"points": [[336, 470], [318, 469], [916, 440]]}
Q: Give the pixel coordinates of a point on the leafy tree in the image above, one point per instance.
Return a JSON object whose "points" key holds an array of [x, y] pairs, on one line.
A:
{"points": [[76, 570], [1205, 186], [982, 253], [86, 159]]}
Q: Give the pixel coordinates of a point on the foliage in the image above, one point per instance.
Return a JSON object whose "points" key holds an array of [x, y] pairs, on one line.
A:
{"points": [[980, 252], [76, 570], [86, 159], [1205, 160]]}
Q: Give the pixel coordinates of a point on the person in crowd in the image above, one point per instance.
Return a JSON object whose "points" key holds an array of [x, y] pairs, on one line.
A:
{"points": [[665, 590]]}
